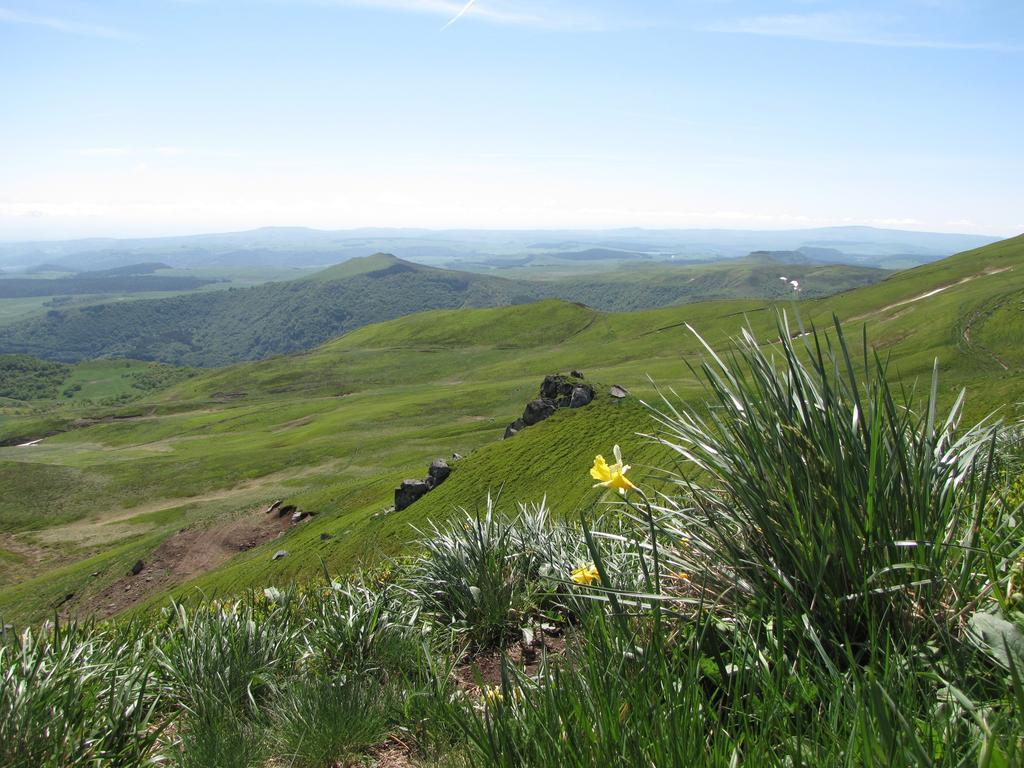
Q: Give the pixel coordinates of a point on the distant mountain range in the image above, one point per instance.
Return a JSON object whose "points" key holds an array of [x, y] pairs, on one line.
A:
{"points": [[297, 246], [236, 324]]}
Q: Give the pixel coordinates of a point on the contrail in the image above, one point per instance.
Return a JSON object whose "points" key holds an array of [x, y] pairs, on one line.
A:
{"points": [[460, 14]]}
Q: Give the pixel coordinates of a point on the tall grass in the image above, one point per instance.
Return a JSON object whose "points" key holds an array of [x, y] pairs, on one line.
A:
{"points": [[71, 696], [820, 493]]}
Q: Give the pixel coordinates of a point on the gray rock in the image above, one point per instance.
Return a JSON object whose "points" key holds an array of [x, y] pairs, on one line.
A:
{"points": [[408, 492], [458, 456], [298, 516], [576, 374], [581, 395], [286, 510], [439, 471], [618, 392], [537, 410], [137, 568], [514, 427], [279, 554], [326, 536], [273, 507]]}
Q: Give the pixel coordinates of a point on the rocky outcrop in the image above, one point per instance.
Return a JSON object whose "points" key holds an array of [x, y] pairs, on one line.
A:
{"points": [[538, 410], [411, 491], [438, 472], [556, 391]]}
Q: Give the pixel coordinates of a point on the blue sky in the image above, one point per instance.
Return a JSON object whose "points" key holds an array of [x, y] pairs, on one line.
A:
{"points": [[132, 117]]}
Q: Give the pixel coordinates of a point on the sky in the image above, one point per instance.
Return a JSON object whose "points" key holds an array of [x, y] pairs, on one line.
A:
{"points": [[151, 117]]}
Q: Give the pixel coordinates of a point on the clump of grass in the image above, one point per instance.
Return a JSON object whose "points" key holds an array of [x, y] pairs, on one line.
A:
{"points": [[322, 721], [211, 734], [481, 576], [73, 696], [358, 630], [825, 496], [232, 654]]}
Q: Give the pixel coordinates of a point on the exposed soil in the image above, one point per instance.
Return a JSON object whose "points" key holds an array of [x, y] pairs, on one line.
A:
{"points": [[391, 754], [485, 668], [180, 557]]}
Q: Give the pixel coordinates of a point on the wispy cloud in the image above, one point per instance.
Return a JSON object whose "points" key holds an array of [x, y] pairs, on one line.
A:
{"points": [[532, 13], [845, 27], [11, 16], [459, 15]]}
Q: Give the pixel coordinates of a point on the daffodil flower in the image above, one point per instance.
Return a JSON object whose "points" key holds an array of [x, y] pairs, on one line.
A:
{"points": [[585, 575], [612, 476]]}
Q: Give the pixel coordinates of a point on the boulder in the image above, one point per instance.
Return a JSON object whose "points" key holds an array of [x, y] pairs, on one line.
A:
{"points": [[537, 410], [514, 427], [408, 492], [439, 471], [286, 510], [457, 456], [279, 554], [556, 386], [581, 395], [137, 568], [298, 516], [618, 392], [273, 507], [576, 374]]}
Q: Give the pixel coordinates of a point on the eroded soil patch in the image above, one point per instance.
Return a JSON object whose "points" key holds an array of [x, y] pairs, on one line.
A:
{"points": [[180, 557]]}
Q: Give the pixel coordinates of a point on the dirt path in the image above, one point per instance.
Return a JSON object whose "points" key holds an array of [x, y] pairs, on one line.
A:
{"points": [[929, 294]]}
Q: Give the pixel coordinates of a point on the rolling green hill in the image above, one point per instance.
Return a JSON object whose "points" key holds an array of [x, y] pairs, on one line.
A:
{"points": [[179, 479], [222, 327]]}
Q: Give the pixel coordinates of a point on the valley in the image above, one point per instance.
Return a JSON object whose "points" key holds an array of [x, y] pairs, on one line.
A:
{"points": [[335, 429]]}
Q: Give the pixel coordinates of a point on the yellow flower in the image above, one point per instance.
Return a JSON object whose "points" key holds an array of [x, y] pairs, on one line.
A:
{"points": [[612, 476], [586, 575], [492, 695]]}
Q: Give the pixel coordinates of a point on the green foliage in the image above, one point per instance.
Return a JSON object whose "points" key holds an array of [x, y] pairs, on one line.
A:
{"points": [[481, 575], [219, 736], [73, 697], [322, 721], [221, 656], [359, 631], [25, 378], [824, 495]]}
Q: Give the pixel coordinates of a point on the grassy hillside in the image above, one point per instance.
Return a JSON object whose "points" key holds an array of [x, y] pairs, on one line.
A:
{"points": [[336, 428], [221, 327], [765, 611]]}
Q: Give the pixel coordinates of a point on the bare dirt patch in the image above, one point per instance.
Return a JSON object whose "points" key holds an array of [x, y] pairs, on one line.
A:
{"points": [[484, 669], [391, 754], [183, 555]]}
